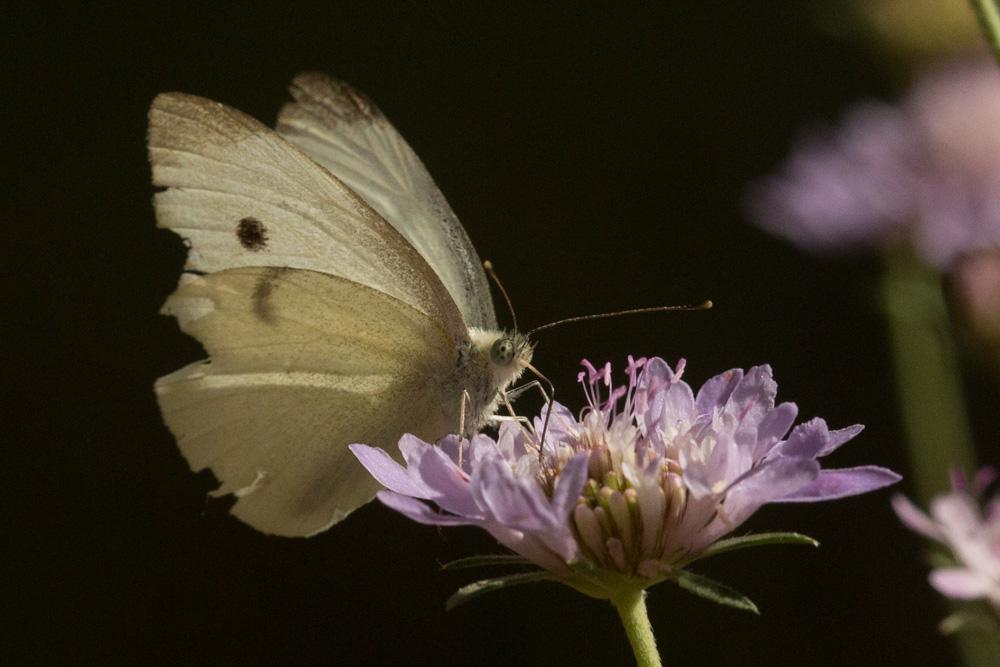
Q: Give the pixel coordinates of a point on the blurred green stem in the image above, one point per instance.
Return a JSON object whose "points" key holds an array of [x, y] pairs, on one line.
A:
{"points": [[989, 21], [631, 606], [929, 387], [929, 393]]}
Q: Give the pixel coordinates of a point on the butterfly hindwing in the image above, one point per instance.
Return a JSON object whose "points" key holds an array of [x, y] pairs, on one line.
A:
{"points": [[302, 364]]}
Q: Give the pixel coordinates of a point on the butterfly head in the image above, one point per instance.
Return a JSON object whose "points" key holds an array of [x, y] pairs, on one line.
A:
{"points": [[505, 353], [511, 349]]}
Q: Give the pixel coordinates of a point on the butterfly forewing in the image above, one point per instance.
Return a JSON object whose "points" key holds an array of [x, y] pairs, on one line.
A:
{"points": [[345, 132], [243, 196]]}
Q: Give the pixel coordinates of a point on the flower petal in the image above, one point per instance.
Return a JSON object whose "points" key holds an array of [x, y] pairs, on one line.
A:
{"points": [[421, 512], [389, 473], [773, 427], [960, 583], [449, 485], [534, 548], [514, 502], [842, 483], [914, 518], [806, 441], [767, 482], [753, 397], [570, 485], [839, 437], [656, 377], [714, 393]]}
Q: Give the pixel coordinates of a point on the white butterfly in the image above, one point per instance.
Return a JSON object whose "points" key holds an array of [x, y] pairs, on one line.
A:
{"points": [[337, 295]]}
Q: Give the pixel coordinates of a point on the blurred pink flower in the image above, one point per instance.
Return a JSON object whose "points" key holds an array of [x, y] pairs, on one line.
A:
{"points": [[977, 283], [970, 531], [926, 171]]}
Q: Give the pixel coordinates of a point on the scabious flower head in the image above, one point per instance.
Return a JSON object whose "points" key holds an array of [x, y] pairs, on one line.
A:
{"points": [[647, 477], [970, 529], [926, 172]]}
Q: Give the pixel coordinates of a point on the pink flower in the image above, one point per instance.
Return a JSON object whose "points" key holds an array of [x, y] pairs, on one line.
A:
{"points": [[926, 172], [970, 531], [643, 482], [976, 281]]}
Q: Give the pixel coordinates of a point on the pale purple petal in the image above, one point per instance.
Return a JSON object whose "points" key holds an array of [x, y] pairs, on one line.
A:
{"points": [[914, 518], [773, 428], [962, 522], [411, 447], [389, 473], [752, 397], [421, 512], [806, 441], [768, 482], [961, 583], [983, 478], [570, 485], [562, 423], [451, 445], [656, 379], [842, 483], [483, 448], [678, 403], [958, 511], [451, 490], [714, 393], [532, 548], [518, 503], [839, 437]]}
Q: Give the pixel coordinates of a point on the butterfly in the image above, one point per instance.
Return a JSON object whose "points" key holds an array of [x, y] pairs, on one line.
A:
{"points": [[335, 292]]}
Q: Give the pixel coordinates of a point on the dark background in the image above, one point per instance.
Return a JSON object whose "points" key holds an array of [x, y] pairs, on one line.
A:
{"points": [[597, 156]]}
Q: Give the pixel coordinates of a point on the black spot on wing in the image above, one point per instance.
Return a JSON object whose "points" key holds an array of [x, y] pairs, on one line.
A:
{"points": [[252, 234], [262, 291]]}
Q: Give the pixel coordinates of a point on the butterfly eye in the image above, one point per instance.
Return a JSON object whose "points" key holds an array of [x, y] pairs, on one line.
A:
{"points": [[502, 351]]}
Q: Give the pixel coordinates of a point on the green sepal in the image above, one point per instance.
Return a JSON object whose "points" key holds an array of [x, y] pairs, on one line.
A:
{"points": [[754, 540], [475, 589], [486, 560], [972, 617], [714, 591]]}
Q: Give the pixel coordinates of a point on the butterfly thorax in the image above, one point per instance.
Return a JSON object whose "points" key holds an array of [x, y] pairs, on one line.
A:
{"points": [[487, 364]]}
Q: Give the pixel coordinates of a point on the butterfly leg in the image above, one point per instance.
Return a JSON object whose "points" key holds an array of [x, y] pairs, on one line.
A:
{"points": [[518, 391], [527, 386], [520, 419], [523, 421], [463, 403]]}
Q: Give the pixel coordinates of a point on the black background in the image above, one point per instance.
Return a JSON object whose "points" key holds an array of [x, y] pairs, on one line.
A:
{"points": [[597, 156]]}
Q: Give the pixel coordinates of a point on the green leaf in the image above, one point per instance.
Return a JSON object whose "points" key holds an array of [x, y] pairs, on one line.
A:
{"points": [[754, 540], [714, 591], [486, 560], [474, 590]]}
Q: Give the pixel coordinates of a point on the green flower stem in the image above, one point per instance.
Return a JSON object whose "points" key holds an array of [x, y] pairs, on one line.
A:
{"points": [[989, 21], [631, 606], [930, 394]]}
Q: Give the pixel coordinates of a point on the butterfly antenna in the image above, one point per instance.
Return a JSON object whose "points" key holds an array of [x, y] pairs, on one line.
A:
{"points": [[488, 265], [704, 305]]}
